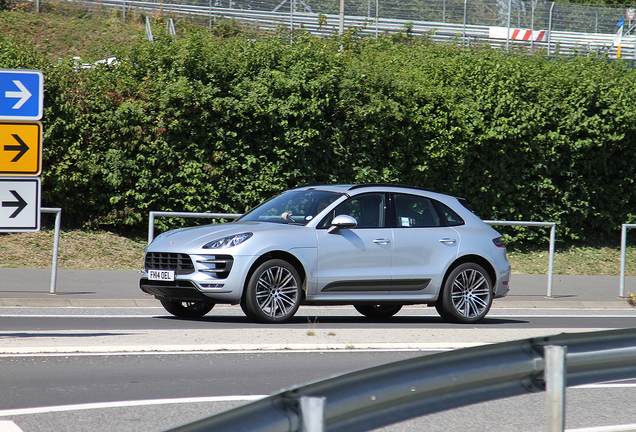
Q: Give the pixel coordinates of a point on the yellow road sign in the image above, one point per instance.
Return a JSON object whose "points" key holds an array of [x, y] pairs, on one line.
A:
{"points": [[20, 148]]}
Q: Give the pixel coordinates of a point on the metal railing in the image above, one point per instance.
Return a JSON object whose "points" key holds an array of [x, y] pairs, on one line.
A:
{"points": [[568, 28], [371, 398], [552, 226]]}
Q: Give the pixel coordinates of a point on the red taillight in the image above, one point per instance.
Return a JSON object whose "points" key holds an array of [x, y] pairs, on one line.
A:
{"points": [[499, 242]]}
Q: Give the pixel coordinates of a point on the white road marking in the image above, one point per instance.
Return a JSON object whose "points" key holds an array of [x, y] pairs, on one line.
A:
{"points": [[9, 426], [615, 428], [123, 404], [490, 315]]}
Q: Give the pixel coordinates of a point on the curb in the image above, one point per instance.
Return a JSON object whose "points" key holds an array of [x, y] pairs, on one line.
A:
{"points": [[87, 349]]}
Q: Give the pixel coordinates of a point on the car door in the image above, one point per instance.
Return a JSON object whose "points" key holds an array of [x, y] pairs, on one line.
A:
{"points": [[423, 245], [356, 261]]}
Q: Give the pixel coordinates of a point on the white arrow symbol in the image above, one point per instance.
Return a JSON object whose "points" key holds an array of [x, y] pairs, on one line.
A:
{"points": [[23, 94]]}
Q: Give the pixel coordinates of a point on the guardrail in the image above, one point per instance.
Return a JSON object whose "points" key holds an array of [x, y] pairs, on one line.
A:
{"points": [[559, 42], [395, 392]]}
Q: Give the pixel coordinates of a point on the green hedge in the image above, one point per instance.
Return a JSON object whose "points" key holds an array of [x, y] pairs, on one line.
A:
{"points": [[205, 123]]}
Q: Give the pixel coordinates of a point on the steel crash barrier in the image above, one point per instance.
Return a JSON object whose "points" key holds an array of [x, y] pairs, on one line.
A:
{"points": [[399, 391]]}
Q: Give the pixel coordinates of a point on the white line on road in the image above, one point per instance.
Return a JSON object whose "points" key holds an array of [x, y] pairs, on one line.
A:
{"points": [[9, 426], [490, 315], [120, 404]]}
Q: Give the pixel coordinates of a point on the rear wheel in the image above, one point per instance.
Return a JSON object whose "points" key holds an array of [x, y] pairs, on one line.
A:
{"points": [[467, 294], [273, 293], [378, 311], [187, 309]]}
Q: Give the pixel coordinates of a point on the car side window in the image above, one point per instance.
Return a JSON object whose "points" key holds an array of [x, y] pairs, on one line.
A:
{"points": [[415, 211], [369, 210], [452, 218]]}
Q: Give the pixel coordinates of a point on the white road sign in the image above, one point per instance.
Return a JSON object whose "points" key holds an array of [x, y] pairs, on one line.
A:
{"points": [[20, 204]]}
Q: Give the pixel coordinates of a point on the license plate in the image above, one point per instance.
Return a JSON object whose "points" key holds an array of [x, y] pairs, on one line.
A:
{"points": [[161, 275]]}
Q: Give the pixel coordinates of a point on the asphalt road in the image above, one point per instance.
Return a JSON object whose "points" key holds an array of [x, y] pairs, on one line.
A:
{"points": [[193, 386], [99, 355], [141, 389], [318, 318]]}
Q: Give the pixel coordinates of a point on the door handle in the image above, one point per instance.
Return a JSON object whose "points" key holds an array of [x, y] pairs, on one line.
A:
{"points": [[381, 241], [448, 240]]}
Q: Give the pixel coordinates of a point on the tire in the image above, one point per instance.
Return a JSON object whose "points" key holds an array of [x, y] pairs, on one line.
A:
{"points": [[273, 292], [467, 294], [381, 311], [187, 309]]}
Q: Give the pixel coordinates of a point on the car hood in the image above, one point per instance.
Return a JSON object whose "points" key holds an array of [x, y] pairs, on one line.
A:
{"points": [[194, 238]]}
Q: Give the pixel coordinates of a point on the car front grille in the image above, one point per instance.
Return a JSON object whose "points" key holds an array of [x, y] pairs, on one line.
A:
{"points": [[180, 263], [218, 266]]}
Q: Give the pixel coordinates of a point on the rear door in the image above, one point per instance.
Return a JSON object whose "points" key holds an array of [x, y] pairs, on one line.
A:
{"points": [[423, 247]]}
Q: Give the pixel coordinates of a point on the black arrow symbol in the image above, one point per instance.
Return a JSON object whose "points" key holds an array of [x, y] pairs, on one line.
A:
{"points": [[20, 204], [21, 149]]}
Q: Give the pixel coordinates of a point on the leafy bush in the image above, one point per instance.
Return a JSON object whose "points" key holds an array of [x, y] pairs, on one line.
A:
{"points": [[219, 123]]}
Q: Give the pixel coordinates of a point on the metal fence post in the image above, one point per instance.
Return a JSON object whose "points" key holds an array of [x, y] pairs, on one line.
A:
{"points": [[56, 244], [291, 22], [312, 414], [551, 258], [550, 28], [464, 29], [624, 228], [377, 17], [555, 380], [534, 4], [508, 34]]}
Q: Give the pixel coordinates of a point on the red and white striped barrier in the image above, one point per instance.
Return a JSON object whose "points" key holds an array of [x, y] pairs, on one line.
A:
{"points": [[517, 34]]}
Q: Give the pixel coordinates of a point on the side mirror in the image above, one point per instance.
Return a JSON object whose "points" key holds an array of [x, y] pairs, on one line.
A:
{"points": [[342, 221]]}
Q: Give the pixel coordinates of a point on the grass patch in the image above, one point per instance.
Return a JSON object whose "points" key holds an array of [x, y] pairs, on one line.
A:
{"points": [[65, 31], [78, 250], [109, 251]]}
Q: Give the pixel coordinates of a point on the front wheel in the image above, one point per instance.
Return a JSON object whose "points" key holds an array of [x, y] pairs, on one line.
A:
{"points": [[273, 293], [187, 309], [467, 294], [380, 311]]}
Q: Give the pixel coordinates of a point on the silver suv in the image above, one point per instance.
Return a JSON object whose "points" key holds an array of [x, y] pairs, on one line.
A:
{"points": [[376, 247]]}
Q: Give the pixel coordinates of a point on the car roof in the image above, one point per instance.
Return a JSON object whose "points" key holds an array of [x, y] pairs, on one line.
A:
{"points": [[354, 189], [348, 188]]}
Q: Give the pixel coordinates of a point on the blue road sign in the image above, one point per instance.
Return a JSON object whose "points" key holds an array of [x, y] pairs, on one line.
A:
{"points": [[21, 94]]}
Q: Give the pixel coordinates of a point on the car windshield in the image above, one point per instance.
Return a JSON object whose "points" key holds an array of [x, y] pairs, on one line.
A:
{"points": [[295, 207]]}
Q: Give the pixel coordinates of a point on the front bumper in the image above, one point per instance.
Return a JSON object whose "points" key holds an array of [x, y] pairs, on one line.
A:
{"points": [[210, 278]]}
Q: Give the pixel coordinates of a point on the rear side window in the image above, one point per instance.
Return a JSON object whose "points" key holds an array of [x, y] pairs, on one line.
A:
{"points": [[452, 218], [415, 211]]}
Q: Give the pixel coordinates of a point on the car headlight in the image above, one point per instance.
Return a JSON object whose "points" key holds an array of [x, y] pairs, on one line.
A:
{"points": [[227, 242]]}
